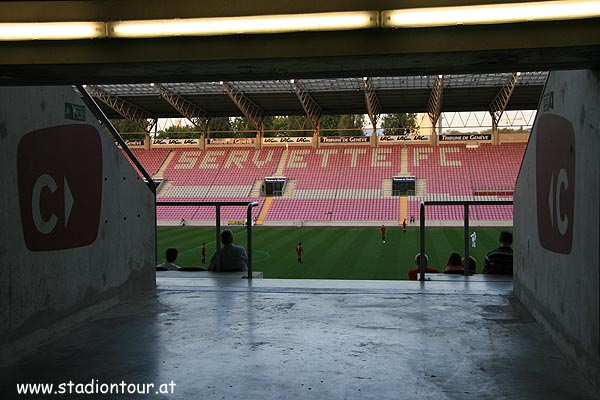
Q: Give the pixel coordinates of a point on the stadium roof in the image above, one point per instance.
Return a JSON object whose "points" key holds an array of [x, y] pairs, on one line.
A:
{"points": [[396, 94]]}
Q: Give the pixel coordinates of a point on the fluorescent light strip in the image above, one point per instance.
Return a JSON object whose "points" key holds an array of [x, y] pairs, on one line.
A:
{"points": [[491, 14], [14, 31], [244, 25], [337, 21]]}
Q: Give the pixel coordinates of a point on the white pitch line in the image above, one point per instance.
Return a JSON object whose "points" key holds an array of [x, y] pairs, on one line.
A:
{"points": [[262, 251]]}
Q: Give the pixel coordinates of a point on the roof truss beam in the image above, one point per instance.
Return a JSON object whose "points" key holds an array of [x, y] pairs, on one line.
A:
{"points": [[373, 104], [129, 111], [311, 107], [434, 105], [189, 110], [251, 111], [500, 101]]}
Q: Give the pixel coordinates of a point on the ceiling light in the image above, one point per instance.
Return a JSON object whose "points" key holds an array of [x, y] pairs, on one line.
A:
{"points": [[14, 31], [491, 14], [244, 25]]}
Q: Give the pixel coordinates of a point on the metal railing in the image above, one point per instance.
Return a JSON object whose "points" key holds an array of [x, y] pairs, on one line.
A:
{"points": [[218, 205], [466, 205], [98, 113]]}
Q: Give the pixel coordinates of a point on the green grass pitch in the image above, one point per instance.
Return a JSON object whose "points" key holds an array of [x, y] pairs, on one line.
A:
{"points": [[331, 253]]}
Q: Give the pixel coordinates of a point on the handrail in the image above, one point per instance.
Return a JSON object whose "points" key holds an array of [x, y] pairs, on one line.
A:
{"points": [[217, 205], [466, 204], [98, 113]]}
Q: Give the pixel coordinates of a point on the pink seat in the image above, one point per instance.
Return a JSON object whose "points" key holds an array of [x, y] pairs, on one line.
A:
{"points": [[339, 183]]}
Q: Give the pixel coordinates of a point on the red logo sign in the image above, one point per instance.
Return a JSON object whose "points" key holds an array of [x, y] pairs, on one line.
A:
{"points": [[59, 173], [555, 173]]}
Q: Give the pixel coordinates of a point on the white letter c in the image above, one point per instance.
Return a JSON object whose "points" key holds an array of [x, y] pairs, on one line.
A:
{"points": [[42, 225]]}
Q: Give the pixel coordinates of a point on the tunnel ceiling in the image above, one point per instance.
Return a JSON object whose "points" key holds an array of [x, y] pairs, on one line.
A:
{"points": [[385, 55]]}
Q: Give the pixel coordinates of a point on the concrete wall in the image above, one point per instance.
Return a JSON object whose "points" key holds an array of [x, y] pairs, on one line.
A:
{"points": [[556, 218], [77, 224]]}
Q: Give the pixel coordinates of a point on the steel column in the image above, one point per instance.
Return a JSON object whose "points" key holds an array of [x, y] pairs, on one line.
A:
{"points": [[422, 253]]}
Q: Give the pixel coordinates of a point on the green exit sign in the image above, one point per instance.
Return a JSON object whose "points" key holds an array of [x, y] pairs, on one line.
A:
{"points": [[74, 112]]}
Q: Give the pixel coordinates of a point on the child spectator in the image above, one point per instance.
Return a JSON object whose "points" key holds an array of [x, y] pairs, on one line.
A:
{"points": [[454, 265]]}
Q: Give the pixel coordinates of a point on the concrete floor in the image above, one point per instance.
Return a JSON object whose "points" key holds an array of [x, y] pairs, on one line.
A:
{"points": [[228, 338]]}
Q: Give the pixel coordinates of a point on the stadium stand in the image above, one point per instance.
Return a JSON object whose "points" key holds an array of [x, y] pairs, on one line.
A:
{"points": [[232, 166], [339, 183], [342, 167], [151, 160], [492, 213], [219, 172], [444, 168], [300, 209], [437, 213], [495, 168], [193, 213]]}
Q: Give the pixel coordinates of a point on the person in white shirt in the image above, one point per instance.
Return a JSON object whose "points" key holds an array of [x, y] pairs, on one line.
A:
{"points": [[473, 239]]}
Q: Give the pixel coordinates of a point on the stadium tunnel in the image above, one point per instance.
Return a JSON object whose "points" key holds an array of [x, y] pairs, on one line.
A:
{"points": [[77, 279]]}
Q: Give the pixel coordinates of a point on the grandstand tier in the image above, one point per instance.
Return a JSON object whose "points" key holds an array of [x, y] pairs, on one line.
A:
{"points": [[495, 167], [338, 183], [205, 213], [152, 160]]}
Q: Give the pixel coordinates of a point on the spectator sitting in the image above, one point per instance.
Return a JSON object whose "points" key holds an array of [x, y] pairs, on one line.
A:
{"points": [[232, 258], [454, 265], [412, 274], [171, 256], [500, 261], [472, 264]]}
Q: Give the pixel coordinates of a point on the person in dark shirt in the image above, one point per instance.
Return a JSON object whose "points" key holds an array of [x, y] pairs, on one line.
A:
{"points": [[169, 265], [299, 251], [231, 258], [454, 265], [472, 264], [500, 261]]}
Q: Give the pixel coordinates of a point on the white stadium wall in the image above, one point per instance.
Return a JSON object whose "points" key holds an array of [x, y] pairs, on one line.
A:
{"points": [[77, 223], [556, 218]]}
